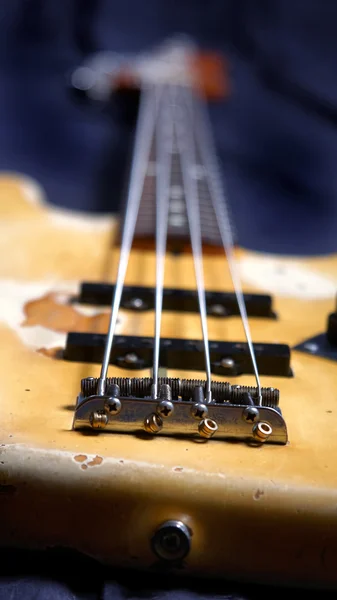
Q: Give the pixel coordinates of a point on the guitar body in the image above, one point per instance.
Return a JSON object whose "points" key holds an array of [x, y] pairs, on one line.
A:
{"points": [[266, 513]]}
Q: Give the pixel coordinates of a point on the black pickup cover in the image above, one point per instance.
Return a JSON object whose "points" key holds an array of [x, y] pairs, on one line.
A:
{"points": [[272, 359], [257, 305]]}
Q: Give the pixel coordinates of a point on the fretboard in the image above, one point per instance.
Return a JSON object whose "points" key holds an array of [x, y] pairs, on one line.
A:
{"points": [[178, 227]]}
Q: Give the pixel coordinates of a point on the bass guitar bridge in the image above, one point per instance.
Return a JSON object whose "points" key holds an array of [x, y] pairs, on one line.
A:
{"points": [[181, 409]]}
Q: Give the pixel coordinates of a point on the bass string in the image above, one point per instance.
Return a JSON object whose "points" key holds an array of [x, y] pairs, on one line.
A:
{"points": [[164, 147], [186, 144], [202, 128], [143, 140]]}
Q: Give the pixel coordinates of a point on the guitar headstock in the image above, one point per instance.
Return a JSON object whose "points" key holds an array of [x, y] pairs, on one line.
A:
{"points": [[178, 61]]}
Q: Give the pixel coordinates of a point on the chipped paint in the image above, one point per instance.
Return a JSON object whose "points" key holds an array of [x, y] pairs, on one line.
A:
{"points": [[15, 295], [36, 310], [95, 461], [80, 458]]}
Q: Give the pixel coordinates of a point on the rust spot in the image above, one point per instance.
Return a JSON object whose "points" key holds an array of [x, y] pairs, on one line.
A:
{"points": [[258, 494], [178, 469], [95, 461], [84, 467], [80, 458], [49, 312]]}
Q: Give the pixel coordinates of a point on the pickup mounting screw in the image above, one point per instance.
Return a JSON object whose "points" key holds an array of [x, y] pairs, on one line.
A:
{"points": [[227, 363], [135, 304], [217, 310], [131, 358]]}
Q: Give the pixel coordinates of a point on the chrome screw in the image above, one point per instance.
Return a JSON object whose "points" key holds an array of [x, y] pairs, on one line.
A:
{"points": [[262, 431], [207, 428], [98, 420], [153, 423]]}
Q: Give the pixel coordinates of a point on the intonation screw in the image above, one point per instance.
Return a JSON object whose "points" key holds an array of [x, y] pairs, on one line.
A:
{"points": [[207, 428], [153, 423], [262, 431], [98, 420]]}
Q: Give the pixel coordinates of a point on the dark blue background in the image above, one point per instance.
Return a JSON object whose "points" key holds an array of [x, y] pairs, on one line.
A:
{"points": [[277, 138], [277, 135]]}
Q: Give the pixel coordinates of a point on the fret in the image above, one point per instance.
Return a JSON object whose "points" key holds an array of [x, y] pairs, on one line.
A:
{"points": [[178, 229]]}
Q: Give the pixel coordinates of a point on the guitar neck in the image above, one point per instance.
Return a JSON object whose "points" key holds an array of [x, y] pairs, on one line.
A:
{"points": [[178, 228]]}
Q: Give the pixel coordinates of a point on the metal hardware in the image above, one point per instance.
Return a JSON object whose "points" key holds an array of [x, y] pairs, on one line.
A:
{"points": [[223, 420], [98, 420], [311, 347], [241, 394], [331, 331], [207, 428], [318, 346], [262, 431], [218, 310], [165, 409], [199, 411], [186, 389], [131, 358], [324, 344], [227, 363], [219, 304], [251, 414], [175, 353], [171, 541], [153, 423], [112, 404], [135, 304]]}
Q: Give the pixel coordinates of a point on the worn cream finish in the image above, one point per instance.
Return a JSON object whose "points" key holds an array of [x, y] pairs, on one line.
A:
{"points": [[267, 513]]}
